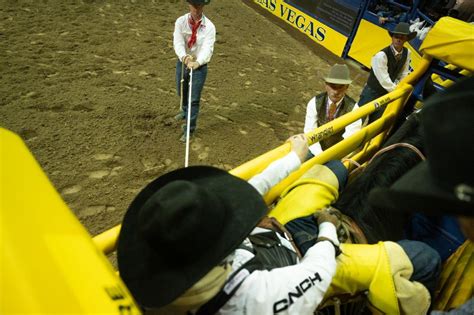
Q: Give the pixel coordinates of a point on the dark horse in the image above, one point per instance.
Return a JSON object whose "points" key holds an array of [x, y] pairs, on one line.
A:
{"points": [[382, 171], [441, 233]]}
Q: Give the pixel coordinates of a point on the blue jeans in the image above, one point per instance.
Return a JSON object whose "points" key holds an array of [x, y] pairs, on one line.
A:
{"points": [[367, 95], [441, 233], [304, 232], [338, 168], [465, 309], [425, 260], [199, 78]]}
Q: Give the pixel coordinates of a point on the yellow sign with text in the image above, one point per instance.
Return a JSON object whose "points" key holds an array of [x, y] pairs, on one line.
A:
{"points": [[317, 31]]}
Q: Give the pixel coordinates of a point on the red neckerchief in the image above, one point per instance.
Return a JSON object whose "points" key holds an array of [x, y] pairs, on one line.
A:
{"points": [[194, 27]]}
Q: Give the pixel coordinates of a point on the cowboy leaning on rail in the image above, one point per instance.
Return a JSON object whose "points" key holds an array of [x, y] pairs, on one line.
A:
{"points": [[389, 67], [329, 105], [184, 244], [190, 241], [433, 188], [397, 277]]}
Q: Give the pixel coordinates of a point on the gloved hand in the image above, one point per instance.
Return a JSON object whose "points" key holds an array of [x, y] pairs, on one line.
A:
{"points": [[193, 65], [299, 145], [187, 59], [328, 215], [332, 215]]}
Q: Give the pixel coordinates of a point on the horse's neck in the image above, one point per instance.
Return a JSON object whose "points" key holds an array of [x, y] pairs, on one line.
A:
{"points": [[383, 171]]}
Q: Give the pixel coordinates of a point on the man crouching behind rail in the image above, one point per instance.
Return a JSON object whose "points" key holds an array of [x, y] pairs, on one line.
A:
{"points": [[192, 242]]}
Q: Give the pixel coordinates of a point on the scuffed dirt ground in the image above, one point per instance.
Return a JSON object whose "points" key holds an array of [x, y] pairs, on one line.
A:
{"points": [[89, 85]]}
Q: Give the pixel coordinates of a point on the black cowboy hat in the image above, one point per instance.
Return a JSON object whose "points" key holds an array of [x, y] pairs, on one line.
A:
{"points": [[403, 28], [179, 227], [444, 183], [199, 1]]}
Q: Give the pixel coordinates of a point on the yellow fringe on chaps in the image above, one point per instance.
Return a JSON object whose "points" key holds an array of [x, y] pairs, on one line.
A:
{"points": [[382, 269], [456, 283], [316, 189]]}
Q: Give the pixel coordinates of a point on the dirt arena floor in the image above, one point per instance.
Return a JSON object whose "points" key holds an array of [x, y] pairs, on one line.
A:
{"points": [[89, 86]]}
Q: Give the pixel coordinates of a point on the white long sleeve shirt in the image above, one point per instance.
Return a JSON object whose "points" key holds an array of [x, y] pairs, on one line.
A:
{"points": [[204, 46], [296, 289], [311, 123], [380, 67]]}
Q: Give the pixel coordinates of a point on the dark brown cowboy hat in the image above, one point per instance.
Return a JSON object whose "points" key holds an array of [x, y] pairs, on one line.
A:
{"points": [[444, 183], [403, 28], [179, 227]]}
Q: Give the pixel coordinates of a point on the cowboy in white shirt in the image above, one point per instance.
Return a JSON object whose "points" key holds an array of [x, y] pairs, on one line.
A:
{"points": [[195, 241], [328, 106], [193, 41], [190, 243], [389, 67]]}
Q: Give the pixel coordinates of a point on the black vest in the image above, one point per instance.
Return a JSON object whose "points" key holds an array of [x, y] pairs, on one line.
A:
{"points": [[345, 107], [394, 69], [269, 254]]}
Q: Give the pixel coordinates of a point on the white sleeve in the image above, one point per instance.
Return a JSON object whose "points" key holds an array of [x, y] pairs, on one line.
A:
{"points": [[316, 148], [205, 53], [380, 68], [275, 173], [406, 67], [296, 289], [354, 127], [327, 229], [179, 43], [311, 120]]}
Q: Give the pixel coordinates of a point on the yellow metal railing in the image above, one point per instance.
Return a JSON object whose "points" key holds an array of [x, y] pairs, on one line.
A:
{"points": [[50, 265], [369, 138], [374, 132]]}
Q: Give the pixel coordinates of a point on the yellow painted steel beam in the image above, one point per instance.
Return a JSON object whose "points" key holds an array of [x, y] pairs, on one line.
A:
{"points": [[447, 82], [370, 149], [414, 76], [48, 263], [337, 151], [107, 240], [252, 167], [258, 164]]}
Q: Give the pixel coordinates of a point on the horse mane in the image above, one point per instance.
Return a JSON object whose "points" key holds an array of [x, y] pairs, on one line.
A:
{"points": [[379, 224]]}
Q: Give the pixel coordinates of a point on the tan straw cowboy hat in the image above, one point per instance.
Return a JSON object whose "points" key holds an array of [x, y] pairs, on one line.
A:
{"points": [[339, 74]]}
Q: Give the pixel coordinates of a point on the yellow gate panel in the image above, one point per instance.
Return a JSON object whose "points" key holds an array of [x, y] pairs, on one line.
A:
{"points": [[48, 262], [451, 40]]}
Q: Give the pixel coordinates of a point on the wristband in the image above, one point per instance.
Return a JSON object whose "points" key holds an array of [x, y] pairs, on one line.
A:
{"points": [[336, 248]]}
